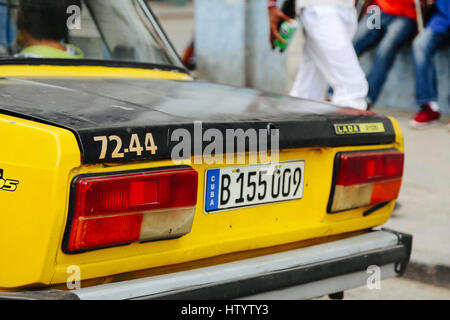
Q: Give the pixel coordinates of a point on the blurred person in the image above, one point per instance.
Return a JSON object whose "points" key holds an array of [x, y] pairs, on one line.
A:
{"points": [[329, 58], [435, 35], [43, 28], [7, 28], [189, 57], [398, 25]]}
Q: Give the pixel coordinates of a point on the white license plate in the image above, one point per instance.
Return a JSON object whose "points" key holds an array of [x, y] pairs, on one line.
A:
{"points": [[249, 185]]}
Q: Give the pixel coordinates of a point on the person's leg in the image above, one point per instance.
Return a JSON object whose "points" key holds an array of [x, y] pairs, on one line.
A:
{"points": [[333, 54], [424, 47], [397, 33], [366, 38], [309, 83]]}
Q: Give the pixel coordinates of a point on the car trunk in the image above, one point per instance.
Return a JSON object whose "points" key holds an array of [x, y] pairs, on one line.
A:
{"points": [[112, 121]]}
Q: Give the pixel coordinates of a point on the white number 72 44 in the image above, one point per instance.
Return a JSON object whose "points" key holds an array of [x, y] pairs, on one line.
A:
{"points": [[135, 145]]}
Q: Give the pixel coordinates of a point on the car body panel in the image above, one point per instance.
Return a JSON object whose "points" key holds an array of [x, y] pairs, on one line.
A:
{"points": [[40, 157]]}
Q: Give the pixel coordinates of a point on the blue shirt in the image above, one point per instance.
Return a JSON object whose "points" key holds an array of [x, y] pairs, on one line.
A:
{"points": [[440, 21]]}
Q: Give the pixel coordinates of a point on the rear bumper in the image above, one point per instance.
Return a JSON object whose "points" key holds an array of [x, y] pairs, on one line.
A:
{"points": [[296, 274]]}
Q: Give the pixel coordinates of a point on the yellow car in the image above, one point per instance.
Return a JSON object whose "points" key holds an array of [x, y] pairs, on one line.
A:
{"points": [[123, 178]]}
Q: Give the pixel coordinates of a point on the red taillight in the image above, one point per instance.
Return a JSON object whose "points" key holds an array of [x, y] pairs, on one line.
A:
{"points": [[101, 232], [364, 178], [363, 167], [119, 209]]}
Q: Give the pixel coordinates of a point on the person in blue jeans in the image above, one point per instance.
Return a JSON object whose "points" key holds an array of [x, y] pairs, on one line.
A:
{"points": [[398, 25], [435, 35], [8, 30]]}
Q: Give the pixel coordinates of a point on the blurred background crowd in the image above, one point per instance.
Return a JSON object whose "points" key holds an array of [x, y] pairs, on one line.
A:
{"points": [[367, 53]]}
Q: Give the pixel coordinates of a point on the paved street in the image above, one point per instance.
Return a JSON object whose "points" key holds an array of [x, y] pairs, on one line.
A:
{"points": [[398, 289]]}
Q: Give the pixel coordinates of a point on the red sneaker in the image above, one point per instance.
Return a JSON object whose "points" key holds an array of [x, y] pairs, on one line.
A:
{"points": [[425, 118]]}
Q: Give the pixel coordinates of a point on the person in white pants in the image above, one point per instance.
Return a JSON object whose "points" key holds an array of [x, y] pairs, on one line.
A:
{"points": [[329, 59]]}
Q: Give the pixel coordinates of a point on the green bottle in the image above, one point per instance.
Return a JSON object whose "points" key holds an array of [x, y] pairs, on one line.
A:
{"points": [[287, 31]]}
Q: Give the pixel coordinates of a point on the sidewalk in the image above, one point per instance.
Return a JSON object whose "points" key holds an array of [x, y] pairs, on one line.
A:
{"points": [[424, 201]]}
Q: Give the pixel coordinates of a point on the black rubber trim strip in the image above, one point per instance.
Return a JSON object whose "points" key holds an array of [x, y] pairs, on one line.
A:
{"points": [[375, 208], [68, 227], [398, 254], [293, 134]]}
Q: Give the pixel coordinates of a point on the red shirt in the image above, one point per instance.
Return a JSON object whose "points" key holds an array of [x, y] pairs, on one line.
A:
{"points": [[401, 8]]}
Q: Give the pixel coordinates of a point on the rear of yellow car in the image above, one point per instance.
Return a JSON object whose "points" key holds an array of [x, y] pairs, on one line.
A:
{"points": [[153, 228], [95, 207]]}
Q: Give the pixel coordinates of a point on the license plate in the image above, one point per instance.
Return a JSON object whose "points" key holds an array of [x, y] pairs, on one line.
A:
{"points": [[249, 185]]}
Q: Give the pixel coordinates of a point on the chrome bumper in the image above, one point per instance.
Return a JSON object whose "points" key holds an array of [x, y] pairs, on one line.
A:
{"points": [[297, 274]]}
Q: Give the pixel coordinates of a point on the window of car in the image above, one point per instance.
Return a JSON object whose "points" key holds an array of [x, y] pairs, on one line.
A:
{"points": [[94, 30]]}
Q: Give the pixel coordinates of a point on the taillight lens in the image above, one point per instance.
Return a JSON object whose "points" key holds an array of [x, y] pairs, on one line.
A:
{"points": [[365, 178], [119, 209]]}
